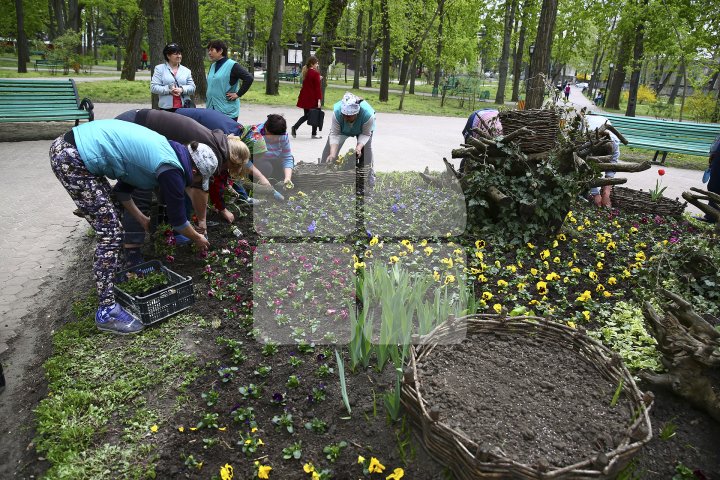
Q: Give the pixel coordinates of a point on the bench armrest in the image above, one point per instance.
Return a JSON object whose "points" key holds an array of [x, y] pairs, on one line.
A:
{"points": [[88, 106]]}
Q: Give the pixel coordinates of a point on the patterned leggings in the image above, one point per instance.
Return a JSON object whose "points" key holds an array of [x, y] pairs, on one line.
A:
{"points": [[92, 196]]}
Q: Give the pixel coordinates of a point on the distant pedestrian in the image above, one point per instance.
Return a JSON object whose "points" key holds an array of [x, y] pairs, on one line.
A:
{"points": [[310, 94], [144, 60], [567, 92]]}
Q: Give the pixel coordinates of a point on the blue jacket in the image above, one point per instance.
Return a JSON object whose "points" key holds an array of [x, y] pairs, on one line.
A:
{"points": [[212, 119], [366, 111], [163, 81], [218, 84], [124, 151]]}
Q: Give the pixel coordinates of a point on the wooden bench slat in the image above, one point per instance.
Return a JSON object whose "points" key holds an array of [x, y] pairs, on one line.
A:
{"points": [[42, 101]]}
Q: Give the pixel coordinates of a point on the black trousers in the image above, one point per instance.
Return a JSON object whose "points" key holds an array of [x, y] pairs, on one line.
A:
{"points": [[303, 119]]}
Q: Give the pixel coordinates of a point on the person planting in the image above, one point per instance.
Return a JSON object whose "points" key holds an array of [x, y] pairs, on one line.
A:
{"points": [[87, 156]]}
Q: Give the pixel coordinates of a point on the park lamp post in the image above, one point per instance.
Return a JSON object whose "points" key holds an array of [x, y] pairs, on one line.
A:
{"points": [[531, 50]]}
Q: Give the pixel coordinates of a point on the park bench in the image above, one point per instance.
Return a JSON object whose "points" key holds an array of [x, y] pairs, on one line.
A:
{"points": [[49, 64], [42, 101], [289, 77], [665, 135], [450, 85]]}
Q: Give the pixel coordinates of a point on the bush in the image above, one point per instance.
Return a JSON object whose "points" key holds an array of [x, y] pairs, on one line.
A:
{"points": [[661, 109], [646, 95], [701, 106]]}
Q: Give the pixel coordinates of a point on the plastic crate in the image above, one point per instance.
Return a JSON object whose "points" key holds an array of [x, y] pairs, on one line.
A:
{"points": [[175, 297]]}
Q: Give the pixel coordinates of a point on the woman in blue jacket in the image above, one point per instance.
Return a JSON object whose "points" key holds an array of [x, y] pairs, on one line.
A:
{"points": [[85, 157], [352, 117]]}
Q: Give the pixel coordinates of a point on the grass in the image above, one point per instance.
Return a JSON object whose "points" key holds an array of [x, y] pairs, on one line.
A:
{"points": [[677, 160]]}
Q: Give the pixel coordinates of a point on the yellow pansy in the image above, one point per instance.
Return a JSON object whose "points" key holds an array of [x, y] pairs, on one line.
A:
{"points": [[512, 268], [264, 471], [502, 283], [552, 276], [346, 249], [423, 242], [571, 324], [428, 251], [226, 472], [361, 459], [544, 254], [393, 259], [482, 278], [375, 466], [521, 286], [498, 264], [599, 265], [374, 241], [449, 279], [607, 294], [585, 296], [555, 244], [575, 270], [154, 428], [593, 276], [586, 314], [600, 287], [612, 281], [181, 429], [487, 296], [580, 228], [611, 246], [397, 474], [541, 287], [497, 307], [556, 260], [640, 256], [562, 237], [534, 271], [448, 262], [436, 276], [480, 244]]}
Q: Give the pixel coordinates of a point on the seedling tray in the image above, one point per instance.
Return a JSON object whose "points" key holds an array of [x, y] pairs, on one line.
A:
{"points": [[175, 297]]}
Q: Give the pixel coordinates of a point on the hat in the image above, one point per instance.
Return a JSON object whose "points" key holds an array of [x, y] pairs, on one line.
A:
{"points": [[206, 162], [349, 105]]}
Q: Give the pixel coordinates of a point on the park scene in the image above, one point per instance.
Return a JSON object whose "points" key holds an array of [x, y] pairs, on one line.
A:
{"points": [[372, 239]]}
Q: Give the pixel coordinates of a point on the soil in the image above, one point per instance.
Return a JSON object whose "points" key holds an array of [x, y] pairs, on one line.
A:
{"points": [[367, 432], [530, 397]]}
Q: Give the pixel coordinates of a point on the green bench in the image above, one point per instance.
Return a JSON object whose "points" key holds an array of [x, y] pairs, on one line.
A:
{"points": [[665, 135], [49, 64], [42, 101], [289, 77]]}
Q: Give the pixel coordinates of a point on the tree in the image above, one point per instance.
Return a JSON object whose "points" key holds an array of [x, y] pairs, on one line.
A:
{"points": [[539, 60], [385, 63], [369, 48], [153, 10], [333, 14], [310, 19], [358, 48], [132, 49], [22, 45], [439, 45], [505, 55], [274, 51], [185, 30], [636, 64]]}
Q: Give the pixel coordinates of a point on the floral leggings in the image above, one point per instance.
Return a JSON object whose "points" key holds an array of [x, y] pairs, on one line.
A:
{"points": [[92, 196]]}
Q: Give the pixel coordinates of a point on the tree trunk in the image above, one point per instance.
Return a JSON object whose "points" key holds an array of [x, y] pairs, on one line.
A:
{"points": [[73, 14], [132, 49], [325, 53], [413, 61], [309, 20], [274, 51], [439, 46], [519, 53], [716, 113], [510, 6], [370, 50], [358, 49], [58, 8], [385, 64], [250, 18], [541, 56], [22, 44], [636, 65], [185, 30], [405, 63], [153, 10], [678, 82], [618, 74], [413, 74]]}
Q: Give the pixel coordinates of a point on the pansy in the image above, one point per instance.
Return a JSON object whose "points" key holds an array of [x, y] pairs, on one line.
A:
{"points": [[397, 474], [571, 324], [521, 286], [309, 467], [586, 314], [487, 296], [226, 472], [599, 265], [612, 281], [428, 251], [502, 283], [449, 279], [448, 262], [480, 244], [607, 294], [375, 466], [512, 268], [393, 259], [600, 287], [640, 256], [482, 278], [530, 246], [374, 241], [264, 471], [556, 260], [423, 242], [552, 276], [436, 276], [584, 297], [544, 254], [534, 271], [497, 307], [593, 276], [541, 287]]}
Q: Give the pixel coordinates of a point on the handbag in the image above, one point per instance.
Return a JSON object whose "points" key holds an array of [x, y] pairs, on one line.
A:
{"points": [[188, 103], [316, 118]]}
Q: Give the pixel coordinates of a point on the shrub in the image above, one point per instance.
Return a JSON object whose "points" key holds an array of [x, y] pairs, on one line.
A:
{"points": [[700, 106]]}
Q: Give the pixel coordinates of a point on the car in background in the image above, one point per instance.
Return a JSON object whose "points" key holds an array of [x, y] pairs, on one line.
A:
{"points": [[581, 85]]}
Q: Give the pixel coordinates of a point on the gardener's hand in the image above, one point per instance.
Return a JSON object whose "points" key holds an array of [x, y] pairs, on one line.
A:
{"points": [[289, 185], [330, 159], [227, 215], [201, 243], [358, 150], [278, 196], [145, 223]]}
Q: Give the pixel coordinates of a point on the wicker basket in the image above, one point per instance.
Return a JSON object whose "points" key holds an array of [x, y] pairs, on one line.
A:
{"points": [[545, 124], [312, 176], [467, 459], [637, 201]]}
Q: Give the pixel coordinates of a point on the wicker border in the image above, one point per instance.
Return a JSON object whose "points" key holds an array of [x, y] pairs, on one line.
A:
{"points": [[467, 459], [312, 176], [637, 201]]}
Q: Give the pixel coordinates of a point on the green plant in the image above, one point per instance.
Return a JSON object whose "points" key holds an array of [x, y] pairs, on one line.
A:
{"points": [[249, 442], [210, 397], [293, 451], [227, 373], [293, 381], [284, 420], [243, 415], [657, 193], [343, 383], [316, 425], [262, 371], [250, 391], [332, 451], [295, 361], [138, 284], [682, 472], [270, 349], [392, 398], [616, 395], [318, 394], [210, 442], [324, 370], [209, 420], [669, 429]]}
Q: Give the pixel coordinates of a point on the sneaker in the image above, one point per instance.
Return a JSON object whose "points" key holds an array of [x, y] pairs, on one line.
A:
{"points": [[117, 320], [293, 130]]}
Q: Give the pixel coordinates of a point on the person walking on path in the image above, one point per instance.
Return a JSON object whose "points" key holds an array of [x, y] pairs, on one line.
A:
{"points": [[227, 81], [310, 93], [144, 60], [352, 117], [567, 92], [171, 81], [87, 156]]}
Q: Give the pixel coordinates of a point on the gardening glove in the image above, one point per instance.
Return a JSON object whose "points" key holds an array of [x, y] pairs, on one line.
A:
{"points": [[278, 196]]}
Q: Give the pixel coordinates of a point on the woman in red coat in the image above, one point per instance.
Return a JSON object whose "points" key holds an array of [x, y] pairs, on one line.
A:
{"points": [[310, 94]]}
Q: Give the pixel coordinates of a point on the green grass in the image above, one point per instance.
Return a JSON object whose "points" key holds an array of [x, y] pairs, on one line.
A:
{"points": [[677, 160], [94, 378]]}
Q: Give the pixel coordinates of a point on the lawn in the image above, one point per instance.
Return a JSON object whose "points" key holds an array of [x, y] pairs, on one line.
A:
{"points": [[268, 375]]}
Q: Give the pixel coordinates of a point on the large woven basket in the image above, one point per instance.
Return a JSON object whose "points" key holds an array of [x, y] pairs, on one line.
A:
{"points": [[545, 124], [313, 176], [467, 459], [637, 201]]}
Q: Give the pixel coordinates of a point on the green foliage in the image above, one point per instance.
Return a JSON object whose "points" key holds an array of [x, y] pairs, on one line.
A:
{"points": [[624, 332], [700, 106], [139, 284], [293, 451], [332, 451]]}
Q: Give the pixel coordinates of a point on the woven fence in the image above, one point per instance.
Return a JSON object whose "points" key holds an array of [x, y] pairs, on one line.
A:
{"points": [[545, 124], [313, 176], [470, 460], [637, 201]]}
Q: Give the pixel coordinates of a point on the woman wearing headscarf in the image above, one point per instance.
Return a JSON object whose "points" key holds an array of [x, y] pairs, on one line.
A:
{"points": [[352, 117], [172, 82], [88, 155]]}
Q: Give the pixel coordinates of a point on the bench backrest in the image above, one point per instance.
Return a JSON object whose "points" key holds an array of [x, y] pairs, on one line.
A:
{"points": [[28, 95], [669, 135]]}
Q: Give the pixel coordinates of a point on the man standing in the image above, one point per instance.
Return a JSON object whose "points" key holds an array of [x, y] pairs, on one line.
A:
{"points": [[227, 81]]}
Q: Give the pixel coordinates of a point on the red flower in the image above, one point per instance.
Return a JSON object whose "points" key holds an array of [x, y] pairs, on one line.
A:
{"points": [[661, 172]]}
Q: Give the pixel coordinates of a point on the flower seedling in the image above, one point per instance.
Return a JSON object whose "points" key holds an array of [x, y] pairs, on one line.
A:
{"points": [[332, 451], [210, 420], [318, 394], [324, 370], [284, 420], [227, 373], [293, 381], [209, 442], [270, 349], [249, 443], [278, 399], [139, 284], [250, 391], [293, 451], [244, 414], [262, 371], [210, 397], [306, 348], [316, 425], [295, 361]]}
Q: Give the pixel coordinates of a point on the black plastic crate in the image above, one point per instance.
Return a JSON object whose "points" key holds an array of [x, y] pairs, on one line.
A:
{"points": [[177, 295]]}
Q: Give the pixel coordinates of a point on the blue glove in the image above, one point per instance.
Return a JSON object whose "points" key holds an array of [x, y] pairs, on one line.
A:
{"points": [[278, 196]]}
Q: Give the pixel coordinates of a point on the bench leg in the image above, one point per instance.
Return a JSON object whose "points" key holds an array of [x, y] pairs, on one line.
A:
{"points": [[662, 162], [655, 157]]}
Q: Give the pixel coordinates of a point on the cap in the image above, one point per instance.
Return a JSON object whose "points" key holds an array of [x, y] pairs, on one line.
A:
{"points": [[349, 104], [206, 162]]}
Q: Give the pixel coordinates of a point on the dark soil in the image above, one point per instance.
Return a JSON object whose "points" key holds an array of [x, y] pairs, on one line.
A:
{"points": [[532, 398]]}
